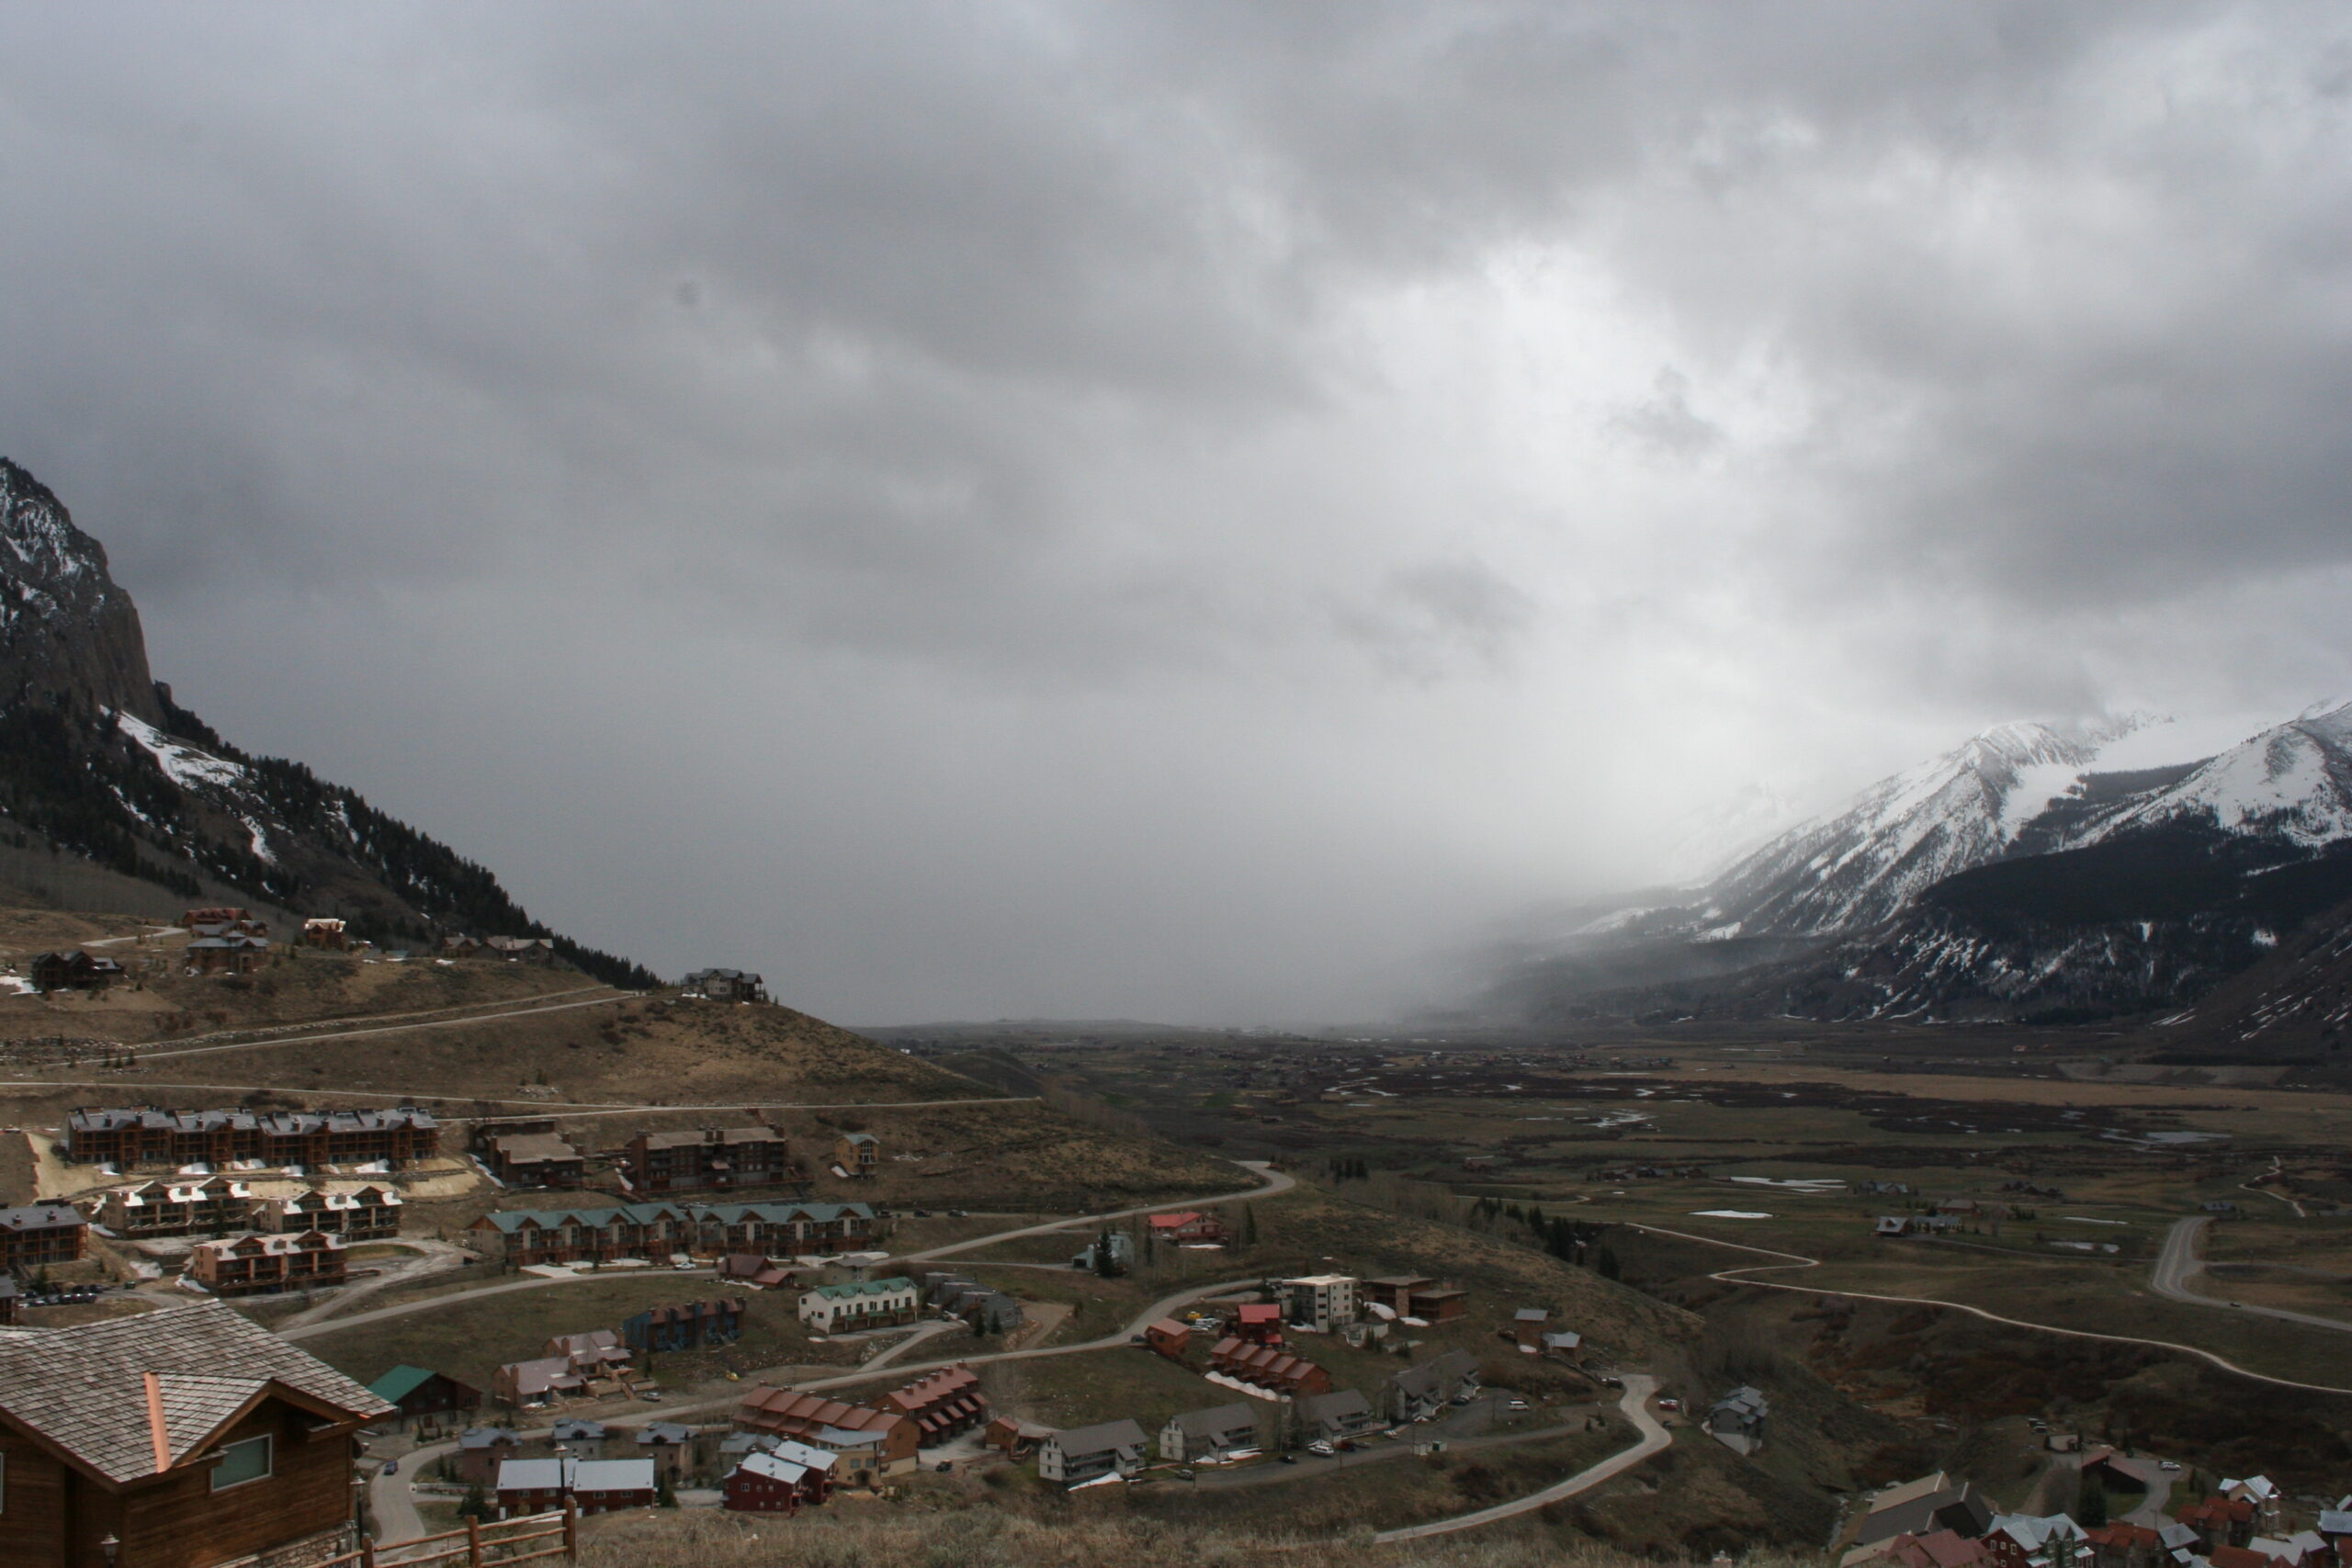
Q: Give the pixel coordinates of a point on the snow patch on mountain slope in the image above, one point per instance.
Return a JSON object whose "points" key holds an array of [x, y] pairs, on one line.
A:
{"points": [[184, 764], [2293, 781]]}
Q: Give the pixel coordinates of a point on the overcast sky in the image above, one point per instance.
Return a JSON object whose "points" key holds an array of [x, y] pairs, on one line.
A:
{"points": [[1189, 510]]}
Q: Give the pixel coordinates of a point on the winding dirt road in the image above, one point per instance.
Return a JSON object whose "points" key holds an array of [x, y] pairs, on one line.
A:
{"points": [[1639, 1386], [2181, 1260], [1798, 1261]]}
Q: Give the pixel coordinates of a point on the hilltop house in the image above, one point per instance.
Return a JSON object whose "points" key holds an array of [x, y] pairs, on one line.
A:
{"points": [[223, 917], [1428, 1388], [73, 971], [536, 949], [1199, 1436], [325, 931], [724, 985], [265, 1265], [712, 1158], [189, 1437], [1089, 1453], [231, 955]]}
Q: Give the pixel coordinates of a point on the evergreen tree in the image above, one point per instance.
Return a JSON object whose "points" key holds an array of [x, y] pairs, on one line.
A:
{"points": [[2091, 1512], [476, 1504], [1249, 1224], [1606, 1261]]}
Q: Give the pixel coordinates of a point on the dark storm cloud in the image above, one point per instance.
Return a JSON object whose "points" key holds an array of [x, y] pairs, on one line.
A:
{"points": [[1341, 447]]}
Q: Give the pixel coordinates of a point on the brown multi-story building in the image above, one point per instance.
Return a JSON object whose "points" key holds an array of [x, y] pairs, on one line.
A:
{"points": [[527, 1151], [1268, 1366], [40, 1233], [713, 1159], [942, 1405], [262, 1265], [128, 1138], [520, 1237], [369, 1214], [74, 971], [211, 1204], [858, 1154]]}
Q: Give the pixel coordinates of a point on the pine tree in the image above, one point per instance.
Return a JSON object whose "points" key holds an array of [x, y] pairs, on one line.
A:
{"points": [[1606, 1261], [2091, 1512], [1249, 1224]]}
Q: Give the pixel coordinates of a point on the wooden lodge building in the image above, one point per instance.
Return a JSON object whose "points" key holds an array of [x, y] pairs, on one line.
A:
{"points": [[74, 970], [418, 1392], [712, 1159], [520, 1237], [36, 1234], [265, 1265], [189, 1438], [127, 1138], [942, 1405], [527, 1151], [871, 1443]]}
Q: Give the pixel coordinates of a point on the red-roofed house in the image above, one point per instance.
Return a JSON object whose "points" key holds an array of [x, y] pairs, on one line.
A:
{"points": [[1187, 1226]]}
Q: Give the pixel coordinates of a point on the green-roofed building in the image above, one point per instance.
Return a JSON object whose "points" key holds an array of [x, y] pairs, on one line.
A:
{"points": [[419, 1391], [864, 1303]]}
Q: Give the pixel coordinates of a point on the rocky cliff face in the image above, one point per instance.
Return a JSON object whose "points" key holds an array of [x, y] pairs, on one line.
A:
{"points": [[97, 760], [66, 630]]}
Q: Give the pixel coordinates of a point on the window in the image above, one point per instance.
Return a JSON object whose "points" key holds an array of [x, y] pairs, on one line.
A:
{"points": [[241, 1463]]}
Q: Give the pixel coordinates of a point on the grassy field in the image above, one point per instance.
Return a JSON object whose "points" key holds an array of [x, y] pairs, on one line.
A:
{"points": [[468, 1340]]}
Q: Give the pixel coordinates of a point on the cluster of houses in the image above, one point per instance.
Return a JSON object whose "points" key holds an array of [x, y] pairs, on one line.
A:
{"points": [[528, 1151], [872, 1440], [538, 949], [984, 1308], [603, 1361], [1939, 1522], [128, 1138]]}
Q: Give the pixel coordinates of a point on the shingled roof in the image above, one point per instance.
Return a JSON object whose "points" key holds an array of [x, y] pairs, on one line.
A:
{"points": [[131, 1397]]}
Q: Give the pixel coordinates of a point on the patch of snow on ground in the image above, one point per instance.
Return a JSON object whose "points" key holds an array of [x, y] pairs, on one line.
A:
{"points": [[1727, 1215], [183, 763]]}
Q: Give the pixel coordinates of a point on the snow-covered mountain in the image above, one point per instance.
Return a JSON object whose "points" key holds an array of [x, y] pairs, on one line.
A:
{"points": [[97, 758], [2010, 877], [2291, 782], [1859, 865]]}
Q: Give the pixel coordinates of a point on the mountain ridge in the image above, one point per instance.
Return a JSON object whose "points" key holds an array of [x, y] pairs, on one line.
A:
{"points": [[98, 759]]}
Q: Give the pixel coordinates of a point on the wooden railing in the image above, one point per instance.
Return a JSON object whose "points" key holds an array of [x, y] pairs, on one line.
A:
{"points": [[479, 1545]]}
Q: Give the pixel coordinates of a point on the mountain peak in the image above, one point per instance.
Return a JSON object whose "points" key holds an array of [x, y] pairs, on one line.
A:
{"points": [[67, 632]]}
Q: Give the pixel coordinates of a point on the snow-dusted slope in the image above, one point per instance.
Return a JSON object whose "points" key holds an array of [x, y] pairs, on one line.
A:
{"points": [[1859, 866], [2291, 782]]}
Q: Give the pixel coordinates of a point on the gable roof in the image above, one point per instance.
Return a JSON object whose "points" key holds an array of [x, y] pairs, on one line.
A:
{"points": [[399, 1383], [131, 1397], [1217, 1421], [1100, 1437]]}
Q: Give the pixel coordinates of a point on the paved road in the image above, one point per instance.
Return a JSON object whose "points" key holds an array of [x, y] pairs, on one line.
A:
{"points": [[469, 1020], [536, 1282], [1798, 1261], [1274, 1181], [391, 1501], [2181, 1261], [1377, 1452], [430, 1258], [1639, 1386]]}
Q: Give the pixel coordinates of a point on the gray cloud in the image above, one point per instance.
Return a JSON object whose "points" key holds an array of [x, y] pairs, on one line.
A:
{"points": [[1172, 507]]}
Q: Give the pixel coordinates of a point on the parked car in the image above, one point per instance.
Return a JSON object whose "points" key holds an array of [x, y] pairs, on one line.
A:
{"points": [[1320, 1449], [1517, 1404], [1670, 1404], [1289, 1459], [392, 1467]]}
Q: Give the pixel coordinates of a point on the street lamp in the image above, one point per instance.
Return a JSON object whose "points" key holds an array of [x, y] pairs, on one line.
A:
{"points": [[111, 1547]]}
